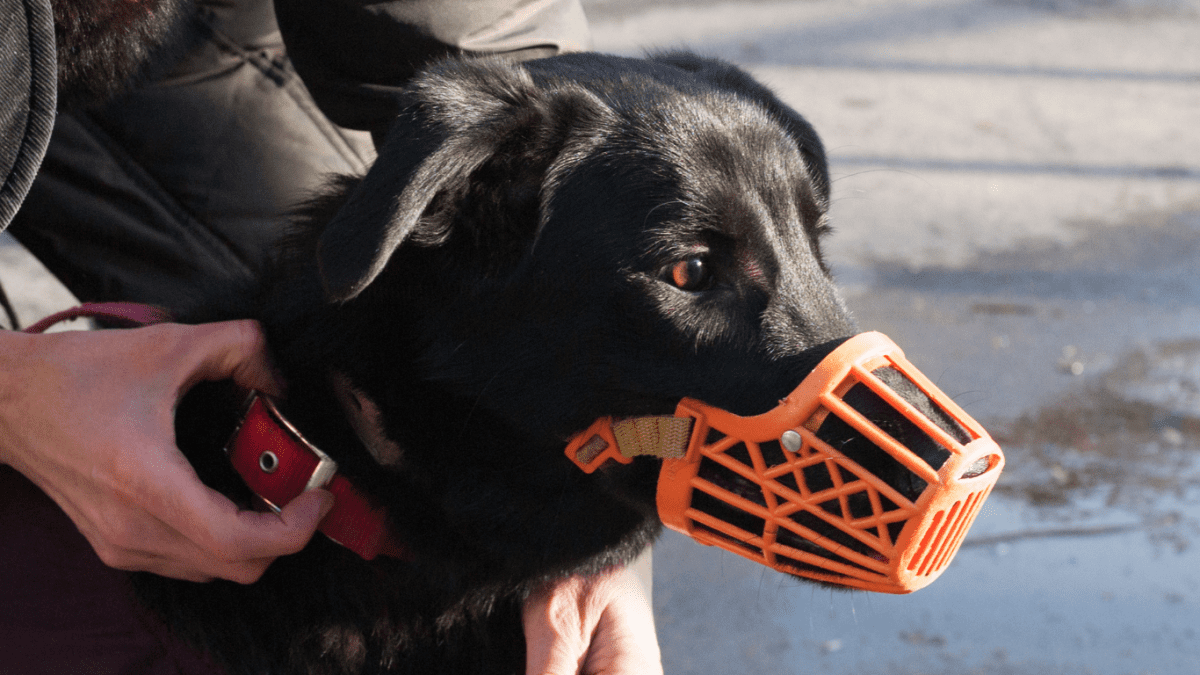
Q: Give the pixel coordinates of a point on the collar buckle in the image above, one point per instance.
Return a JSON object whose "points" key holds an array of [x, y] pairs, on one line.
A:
{"points": [[273, 457], [279, 464]]}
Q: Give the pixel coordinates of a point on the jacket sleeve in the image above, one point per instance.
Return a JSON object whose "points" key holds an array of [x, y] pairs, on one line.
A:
{"points": [[355, 55]]}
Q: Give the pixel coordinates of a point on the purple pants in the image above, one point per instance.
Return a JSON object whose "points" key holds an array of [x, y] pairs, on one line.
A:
{"points": [[62, 611]]}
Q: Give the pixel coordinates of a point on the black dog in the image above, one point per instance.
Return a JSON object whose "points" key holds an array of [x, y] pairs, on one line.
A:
{"points": [[537, 246]]}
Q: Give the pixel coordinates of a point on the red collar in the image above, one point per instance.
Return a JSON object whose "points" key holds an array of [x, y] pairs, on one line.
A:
{"points": [[279, 464], [271, 455]]}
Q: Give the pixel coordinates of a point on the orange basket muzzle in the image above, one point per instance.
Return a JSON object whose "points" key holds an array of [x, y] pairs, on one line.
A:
{"points": [[865, 476]]}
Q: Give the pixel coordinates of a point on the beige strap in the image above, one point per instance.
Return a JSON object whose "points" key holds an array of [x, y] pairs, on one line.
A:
{"points": [[665, 437]]}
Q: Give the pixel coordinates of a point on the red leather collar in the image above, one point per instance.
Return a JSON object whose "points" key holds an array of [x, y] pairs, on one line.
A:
{"points": [[279, 464], [271, 455]]}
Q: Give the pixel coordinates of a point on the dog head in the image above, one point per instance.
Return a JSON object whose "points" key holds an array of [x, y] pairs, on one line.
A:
{"points": [[540, 245], [651, 228]]}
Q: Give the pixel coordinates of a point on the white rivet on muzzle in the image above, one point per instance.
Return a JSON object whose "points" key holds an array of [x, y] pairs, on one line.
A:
{"points": [[791, 440]]}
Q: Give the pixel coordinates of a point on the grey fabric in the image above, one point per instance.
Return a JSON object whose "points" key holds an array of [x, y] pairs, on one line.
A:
{"points": [[27, 96], [178, 190], [355, 54]]}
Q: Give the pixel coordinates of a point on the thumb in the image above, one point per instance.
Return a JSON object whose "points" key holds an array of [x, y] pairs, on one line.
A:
{"points": [[599, 624], [549, 654], [553, 643], [625, 642], [234, 350], [306, 511]]}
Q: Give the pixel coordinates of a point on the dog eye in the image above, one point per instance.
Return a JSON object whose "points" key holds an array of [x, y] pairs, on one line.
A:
{"points": [[691, 274]]}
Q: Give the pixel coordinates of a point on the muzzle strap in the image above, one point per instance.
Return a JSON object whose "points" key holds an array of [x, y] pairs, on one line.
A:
{"points": [[666, 437]]}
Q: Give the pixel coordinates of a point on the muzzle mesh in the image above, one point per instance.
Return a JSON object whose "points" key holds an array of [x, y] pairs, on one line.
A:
{"points": [[882, 479], [866, 475]]}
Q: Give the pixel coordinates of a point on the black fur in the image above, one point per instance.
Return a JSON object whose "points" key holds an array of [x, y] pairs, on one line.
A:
{"points": [[500, 279]]}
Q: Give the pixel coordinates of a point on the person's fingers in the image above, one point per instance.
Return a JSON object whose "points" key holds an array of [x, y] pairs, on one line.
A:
{"points": [[170, 514], [625, 641], [229, 536], [597, 625], [126, 546], [554, 657], [181, 563], [112, 465], [554, 622], [240, 553], [244, 556], [231, 350]]}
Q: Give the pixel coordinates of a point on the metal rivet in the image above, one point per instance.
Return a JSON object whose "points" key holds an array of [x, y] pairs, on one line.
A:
{"points": [[791, 440], [268, 462]]}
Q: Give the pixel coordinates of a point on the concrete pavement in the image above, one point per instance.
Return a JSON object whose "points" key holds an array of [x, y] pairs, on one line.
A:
{"points": [[1017, 203]]}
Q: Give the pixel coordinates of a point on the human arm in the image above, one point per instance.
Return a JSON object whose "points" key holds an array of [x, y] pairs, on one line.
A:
{"points": [[89, 418]]}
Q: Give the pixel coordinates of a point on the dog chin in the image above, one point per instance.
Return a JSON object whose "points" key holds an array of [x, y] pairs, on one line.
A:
{"points": [[103, 48]]}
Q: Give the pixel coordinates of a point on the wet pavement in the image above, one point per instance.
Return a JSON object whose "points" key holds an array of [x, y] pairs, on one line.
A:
{"points": [[1017, 204]]}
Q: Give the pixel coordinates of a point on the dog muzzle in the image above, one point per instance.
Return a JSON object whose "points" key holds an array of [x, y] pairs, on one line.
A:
{"points": [[865, 476]]}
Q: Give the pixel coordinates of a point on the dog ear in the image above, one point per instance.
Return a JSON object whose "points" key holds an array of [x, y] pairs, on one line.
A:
{"points": [[735, 80], [463, 116], [419, 159]]}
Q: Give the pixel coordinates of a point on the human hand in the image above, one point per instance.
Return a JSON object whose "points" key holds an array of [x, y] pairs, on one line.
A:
{"points": [[88, 416], [596, 625]]}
